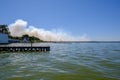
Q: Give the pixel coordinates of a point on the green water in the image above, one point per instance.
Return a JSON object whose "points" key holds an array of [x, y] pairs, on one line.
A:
{"points": [[72, 61]]}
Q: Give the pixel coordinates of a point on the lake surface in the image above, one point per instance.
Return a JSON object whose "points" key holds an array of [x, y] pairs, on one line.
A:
{"points": [[65, 61]]}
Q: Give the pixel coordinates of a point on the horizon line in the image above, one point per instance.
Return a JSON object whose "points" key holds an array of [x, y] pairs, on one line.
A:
{"points": [[83, 41]]}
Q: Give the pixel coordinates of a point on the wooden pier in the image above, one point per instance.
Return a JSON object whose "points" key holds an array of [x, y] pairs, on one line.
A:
{"points": [[25, 48]]}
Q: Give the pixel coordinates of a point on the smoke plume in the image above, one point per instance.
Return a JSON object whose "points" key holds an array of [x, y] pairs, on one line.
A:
{"points": [[21, 27]]}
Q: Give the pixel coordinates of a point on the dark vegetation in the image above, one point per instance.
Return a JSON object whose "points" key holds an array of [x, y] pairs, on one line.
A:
{"points": [[4, 29], [28, 38]]}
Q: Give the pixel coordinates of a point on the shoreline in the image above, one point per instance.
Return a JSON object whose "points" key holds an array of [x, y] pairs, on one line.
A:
{"points": [[81, 42], [64, 42]]}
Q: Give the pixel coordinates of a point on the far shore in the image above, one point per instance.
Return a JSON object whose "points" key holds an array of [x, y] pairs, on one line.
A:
{"points": [[81, 42], [68, 42]]}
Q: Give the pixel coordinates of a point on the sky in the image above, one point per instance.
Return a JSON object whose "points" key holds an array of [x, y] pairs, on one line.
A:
{"points": [[96, 19]]}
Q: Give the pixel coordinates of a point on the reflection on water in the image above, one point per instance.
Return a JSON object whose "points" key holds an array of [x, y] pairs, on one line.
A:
{"points": [[73, 61]]}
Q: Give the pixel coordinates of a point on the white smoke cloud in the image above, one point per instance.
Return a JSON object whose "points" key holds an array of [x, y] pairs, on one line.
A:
{"points": [[20, 27]]}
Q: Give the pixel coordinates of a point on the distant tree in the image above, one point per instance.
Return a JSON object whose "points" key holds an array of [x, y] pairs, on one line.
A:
{"points": [[25, 36], [34, 39], [31, 38], [4, 29]]}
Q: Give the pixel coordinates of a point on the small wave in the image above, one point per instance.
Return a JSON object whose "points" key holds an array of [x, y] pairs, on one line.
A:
{"points": [[117, 50]]}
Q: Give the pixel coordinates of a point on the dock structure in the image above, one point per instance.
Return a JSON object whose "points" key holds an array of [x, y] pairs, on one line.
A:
{"points": [[5, 42], [25, 48]]}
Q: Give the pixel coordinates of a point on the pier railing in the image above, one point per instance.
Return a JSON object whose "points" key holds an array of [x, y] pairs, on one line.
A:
{"points": [[24, 49]]}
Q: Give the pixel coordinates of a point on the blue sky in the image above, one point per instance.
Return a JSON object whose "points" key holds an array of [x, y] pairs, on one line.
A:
{"points": [[98, 19]]}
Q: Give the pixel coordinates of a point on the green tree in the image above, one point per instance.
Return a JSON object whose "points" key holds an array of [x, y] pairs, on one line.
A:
{"points": [[4, 29]]}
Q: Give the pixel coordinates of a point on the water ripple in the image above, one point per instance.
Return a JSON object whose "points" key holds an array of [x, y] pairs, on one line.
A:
{"points": [[77, 61]]}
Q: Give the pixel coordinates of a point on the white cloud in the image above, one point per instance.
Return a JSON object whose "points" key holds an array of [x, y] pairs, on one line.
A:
{"points": [[20, 28]]}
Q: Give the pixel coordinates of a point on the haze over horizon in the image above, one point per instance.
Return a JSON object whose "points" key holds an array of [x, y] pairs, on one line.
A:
{"points": [[21, 27], [63, 20]]}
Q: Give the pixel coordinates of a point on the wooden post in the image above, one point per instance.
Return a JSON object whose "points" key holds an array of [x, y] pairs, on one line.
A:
{"points": [[31, 44]]}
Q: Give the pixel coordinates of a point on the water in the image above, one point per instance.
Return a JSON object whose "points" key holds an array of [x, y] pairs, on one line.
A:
{"points": [[65, 61]]}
